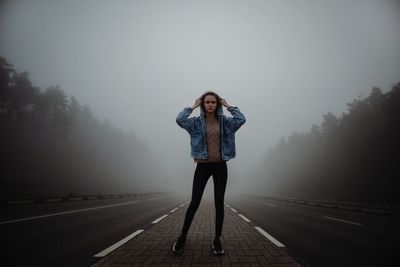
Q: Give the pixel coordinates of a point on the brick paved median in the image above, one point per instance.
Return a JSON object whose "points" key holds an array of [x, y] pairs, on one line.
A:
{"points": [[243, 244]]}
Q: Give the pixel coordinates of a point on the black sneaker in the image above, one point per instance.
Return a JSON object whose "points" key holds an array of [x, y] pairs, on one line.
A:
{"points": [[217, 247], [179, 245]]}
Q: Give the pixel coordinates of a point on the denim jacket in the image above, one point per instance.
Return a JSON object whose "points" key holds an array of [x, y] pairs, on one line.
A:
{"points": [[195, 126]]}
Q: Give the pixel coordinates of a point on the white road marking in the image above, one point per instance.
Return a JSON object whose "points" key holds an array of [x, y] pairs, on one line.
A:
{"points": [[159, 219], [174, 210], [340, 220], [244, 218], [269, 204], [227, 205], [74, 211], [118, 244], [68, 212], [233, 210], [270, 237], [181, 205]]}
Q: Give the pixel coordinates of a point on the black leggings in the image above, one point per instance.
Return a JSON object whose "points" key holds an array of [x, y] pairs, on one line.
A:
{"points": [[203, 171]]}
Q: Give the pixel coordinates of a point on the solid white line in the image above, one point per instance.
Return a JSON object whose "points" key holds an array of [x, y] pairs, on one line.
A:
{"points": [[69, 212], [227, 205], [118, 244], [181, 205], [244, 218], [233, 210], [269, 204], [270, 237], [174, 210], [340, 220], [159, 219]]}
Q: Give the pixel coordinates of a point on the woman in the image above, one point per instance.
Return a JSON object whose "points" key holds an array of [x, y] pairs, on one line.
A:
{"points": [[212, 139]]}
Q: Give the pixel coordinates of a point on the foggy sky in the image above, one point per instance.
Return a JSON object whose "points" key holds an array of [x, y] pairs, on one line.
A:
{"points": [[138, 63]]}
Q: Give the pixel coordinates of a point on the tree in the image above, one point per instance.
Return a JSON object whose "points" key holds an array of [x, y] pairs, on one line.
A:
{"points": [[6, 74], [56, 98], [22, 93], [329, 124]]}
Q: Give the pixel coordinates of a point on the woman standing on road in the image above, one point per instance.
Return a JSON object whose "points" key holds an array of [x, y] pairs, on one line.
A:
{"points": [[212, 139]]}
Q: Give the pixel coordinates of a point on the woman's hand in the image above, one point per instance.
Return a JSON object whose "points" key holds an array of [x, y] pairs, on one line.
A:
{"points": [[224, 103], [197, 103]]}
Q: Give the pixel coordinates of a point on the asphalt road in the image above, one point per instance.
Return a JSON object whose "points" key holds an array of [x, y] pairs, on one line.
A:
{"points": [[316, 236], [71, 233]]}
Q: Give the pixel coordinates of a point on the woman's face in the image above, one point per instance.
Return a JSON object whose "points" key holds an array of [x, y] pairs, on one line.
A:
{"points": [[210, 103]]}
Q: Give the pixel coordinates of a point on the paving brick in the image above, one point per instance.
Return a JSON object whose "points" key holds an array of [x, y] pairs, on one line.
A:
{"points": [[243, 245]]}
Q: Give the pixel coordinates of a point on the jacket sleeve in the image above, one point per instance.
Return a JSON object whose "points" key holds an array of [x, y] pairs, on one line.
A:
{"points": [[237, 120], [184, 121]]}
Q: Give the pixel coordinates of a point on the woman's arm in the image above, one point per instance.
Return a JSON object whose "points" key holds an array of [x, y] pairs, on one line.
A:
{"points": [[237, 119], [197, 103], [183, 119]]}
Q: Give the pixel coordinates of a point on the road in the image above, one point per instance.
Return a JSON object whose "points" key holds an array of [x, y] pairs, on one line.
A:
{"points": [[71, 233], [316, 236]]}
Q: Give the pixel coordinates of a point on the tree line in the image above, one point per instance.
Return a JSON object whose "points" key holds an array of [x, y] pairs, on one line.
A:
{"points": [[352, 157], [51, 145]]}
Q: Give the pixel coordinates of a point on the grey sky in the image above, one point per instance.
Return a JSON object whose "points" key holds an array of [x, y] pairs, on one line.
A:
{"points": [[138, 63]]}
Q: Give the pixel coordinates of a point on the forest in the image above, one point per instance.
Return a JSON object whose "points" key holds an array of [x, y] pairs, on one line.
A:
{"points": [[51, 145], [351, 157]]}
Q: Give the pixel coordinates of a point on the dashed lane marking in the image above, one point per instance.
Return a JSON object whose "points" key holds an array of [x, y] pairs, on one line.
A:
{"points": [[244, 218], [129, 237], [118, 244], [262, 231], [270, 237], [159, 219]]}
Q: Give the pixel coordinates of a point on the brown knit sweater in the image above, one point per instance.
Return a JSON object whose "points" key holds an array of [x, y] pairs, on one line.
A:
{"points": [[213, 141]]}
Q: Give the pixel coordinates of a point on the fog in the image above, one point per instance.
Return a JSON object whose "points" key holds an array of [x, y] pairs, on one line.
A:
{"points": [[138, 63]]}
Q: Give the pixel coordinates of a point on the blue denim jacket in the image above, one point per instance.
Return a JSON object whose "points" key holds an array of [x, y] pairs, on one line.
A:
{"points": [[195, 126]]}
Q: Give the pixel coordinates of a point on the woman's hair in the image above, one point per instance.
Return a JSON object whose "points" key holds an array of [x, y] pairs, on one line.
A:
{"points": [[219, 104]]}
